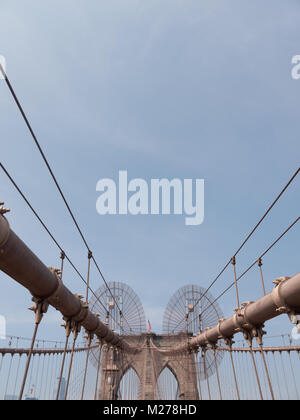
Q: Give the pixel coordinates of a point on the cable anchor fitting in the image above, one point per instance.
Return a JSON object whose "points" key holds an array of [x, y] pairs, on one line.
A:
{"points": [[67, 324], [40, 307], [229, 342], [76, 328], [258, 333], [3, 210], [89, 337]]}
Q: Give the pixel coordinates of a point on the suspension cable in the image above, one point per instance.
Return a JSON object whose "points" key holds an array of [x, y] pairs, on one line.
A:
{"points": [[249, 235], [253, 264], [86, 282], [53, 176]]}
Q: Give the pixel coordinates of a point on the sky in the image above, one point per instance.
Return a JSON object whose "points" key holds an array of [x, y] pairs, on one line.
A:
{"points": [[174, 89]]}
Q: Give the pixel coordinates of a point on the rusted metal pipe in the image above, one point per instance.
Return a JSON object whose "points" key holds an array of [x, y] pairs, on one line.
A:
{"points": [[21, 264], [285, 298]]}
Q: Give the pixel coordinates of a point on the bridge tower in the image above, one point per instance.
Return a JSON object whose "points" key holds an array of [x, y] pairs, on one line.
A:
{"points": [[148, 363], [182, 319]]}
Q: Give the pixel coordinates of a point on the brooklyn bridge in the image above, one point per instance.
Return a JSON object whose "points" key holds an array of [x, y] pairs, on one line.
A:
{"points": [[195, 358], [110, 352]]}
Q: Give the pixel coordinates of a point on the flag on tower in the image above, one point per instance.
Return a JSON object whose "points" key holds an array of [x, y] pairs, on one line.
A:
{"points": [[149, 326]]}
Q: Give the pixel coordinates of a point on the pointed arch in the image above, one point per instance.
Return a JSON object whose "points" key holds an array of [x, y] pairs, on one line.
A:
{"points": [[129, 387], [167, 387]]}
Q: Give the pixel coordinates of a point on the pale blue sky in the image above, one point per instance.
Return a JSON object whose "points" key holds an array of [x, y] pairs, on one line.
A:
{"points": [[187, 89]]}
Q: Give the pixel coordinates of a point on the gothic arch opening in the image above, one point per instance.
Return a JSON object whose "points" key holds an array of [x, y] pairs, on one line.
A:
{"points": [[167, 387], [130, 386]]}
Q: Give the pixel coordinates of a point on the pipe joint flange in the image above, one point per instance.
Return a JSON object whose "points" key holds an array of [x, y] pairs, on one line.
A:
{"points": [[277, 297], [246, 323], [208, 341], [220, 334], [228, 340], [205, 335], [83, 313], [56, 295], [238, 319], [96, 328]]}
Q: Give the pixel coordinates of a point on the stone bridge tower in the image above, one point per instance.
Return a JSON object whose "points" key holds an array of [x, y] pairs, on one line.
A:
{"points": [[183, 318], [148, 363]]}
